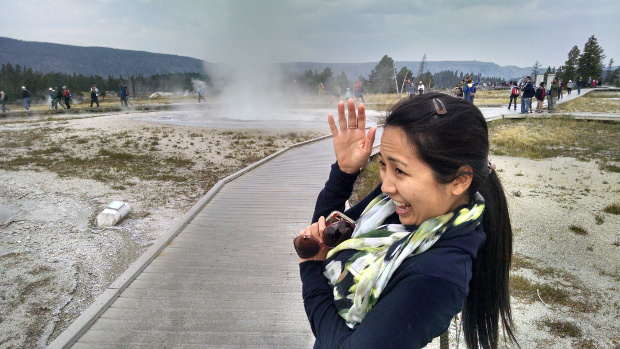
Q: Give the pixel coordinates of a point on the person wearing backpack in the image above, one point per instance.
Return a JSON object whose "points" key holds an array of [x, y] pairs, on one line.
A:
{"points": [[540, 95], [25, 98], [124, 95], [3, 98], [66, 94], [514, 95]]}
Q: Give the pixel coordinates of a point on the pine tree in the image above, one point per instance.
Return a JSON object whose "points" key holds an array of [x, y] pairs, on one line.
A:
{"points": [[381, 78], [591, 60], [609, 76], [570, 66], [535, 69]]}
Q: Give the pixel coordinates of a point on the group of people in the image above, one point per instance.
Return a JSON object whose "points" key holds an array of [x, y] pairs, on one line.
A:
{"points": [[414, 89], [358, 91], [466, 89], [57, 95], [62, 97]]}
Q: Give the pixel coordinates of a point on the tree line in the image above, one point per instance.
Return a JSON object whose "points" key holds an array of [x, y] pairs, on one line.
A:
{"points": [[586, 63], [12, 78], [384, 78]]}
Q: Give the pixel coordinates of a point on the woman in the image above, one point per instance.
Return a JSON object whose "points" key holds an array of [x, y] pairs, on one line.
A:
{"points": [[569, 86], [540, 95], [421, 251]]}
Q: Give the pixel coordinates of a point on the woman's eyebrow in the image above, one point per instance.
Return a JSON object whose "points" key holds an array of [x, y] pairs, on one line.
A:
{"points": [[394, 160]]}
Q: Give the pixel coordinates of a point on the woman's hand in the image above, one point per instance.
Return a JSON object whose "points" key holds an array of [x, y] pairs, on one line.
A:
{"points": [[316, 230], [351, 144]]}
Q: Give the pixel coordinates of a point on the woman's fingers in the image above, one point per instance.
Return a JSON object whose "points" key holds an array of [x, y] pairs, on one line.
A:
{"points": [[361, 117], [342, 120], [352, 115], [332, 125]]}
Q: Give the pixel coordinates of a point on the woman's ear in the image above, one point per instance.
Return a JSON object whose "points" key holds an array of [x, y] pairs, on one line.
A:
{"points": [[464, 177]]}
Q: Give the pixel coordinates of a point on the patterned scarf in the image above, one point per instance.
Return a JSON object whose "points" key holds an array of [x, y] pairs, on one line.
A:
{"points": [[359, 268]]}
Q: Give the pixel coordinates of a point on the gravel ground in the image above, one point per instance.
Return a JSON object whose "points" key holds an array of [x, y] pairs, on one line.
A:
{"points": [[55, 261]]}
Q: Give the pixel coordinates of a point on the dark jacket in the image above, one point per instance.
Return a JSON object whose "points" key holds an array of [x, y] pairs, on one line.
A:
{"points": [[58, 94], [528, 90], [420, 299], [25, 93]]}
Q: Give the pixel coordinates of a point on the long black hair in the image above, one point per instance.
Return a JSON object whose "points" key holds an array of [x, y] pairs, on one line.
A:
{"points": [[449, 133]]}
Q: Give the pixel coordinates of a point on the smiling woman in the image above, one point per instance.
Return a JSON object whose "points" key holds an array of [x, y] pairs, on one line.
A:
{"points": [[422, 250]]}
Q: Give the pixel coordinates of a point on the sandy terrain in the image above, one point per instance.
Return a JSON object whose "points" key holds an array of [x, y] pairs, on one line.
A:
{"points": [[55, 261]]}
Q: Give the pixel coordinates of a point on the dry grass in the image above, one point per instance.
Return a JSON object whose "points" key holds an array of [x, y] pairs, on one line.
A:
{"points": [[597, 102], [557, 136]]}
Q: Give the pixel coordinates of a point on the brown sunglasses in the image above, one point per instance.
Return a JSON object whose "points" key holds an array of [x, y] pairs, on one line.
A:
{"points": [[308, 246]]}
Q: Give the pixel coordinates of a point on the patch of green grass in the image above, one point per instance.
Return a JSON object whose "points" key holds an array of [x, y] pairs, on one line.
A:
{"points": [[368, 180], [562, 328], [599, 219], [613, 208], [578, 230]]}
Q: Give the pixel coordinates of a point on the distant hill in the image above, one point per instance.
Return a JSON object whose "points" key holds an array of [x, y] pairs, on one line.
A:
{"points": [[48, 57], [354, 70]]}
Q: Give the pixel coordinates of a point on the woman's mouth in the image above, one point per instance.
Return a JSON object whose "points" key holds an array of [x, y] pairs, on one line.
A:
{"points": [[401, 207]]}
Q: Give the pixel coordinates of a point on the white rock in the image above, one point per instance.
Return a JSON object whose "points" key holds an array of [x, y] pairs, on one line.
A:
{"points": [[113, 213]]}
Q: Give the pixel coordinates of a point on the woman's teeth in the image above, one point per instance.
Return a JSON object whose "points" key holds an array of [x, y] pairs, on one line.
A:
{"points": [[400, 204]]}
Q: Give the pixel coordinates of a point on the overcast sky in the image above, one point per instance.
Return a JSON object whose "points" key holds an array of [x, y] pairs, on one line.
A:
{"points": [[505, 32]]}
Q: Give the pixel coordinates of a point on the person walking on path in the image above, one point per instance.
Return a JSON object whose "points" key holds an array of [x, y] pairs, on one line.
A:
{"points": [[514, 95], [124, 95], [540, 94], [552, 97], [201, 93], [25, 98], [321, 91], [94, 96], [358, 90], [4, 98], [59, 96], [347, 94], [526, 96], [67, 95], [580, 85], [432, 240], [560, 88], [420, 88], [569, 86], [470, 88], [412, 89]]}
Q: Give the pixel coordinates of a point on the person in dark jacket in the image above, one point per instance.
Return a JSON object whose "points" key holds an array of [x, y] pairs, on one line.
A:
{"points": [[25, 98], [422, 249], [94, 96], [526, 96], [67, 95], [124, 95]]}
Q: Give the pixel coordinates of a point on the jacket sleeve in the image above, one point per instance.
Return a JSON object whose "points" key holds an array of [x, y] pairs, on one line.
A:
{"points": [[337, 191], [417, 309]]}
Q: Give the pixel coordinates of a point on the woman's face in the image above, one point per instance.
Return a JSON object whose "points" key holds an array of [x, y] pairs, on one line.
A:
{"points": [[411, 183]]}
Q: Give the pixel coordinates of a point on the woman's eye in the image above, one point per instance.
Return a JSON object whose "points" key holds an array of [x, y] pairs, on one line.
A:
{"points": [[398, 170]]}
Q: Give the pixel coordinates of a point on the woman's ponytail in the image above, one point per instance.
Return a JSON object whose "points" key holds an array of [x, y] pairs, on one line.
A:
{"points": [[489, 296]]}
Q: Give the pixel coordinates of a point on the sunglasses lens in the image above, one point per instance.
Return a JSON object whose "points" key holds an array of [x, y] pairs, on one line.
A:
{"points": [[337, 232], [306, 246]]}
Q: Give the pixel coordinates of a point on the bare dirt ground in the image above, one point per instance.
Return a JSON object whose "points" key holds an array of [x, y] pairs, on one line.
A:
{"points": [[58, 173]]}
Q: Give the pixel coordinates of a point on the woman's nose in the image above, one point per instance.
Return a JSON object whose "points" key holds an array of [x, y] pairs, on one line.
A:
{"points": [[387, 186]]}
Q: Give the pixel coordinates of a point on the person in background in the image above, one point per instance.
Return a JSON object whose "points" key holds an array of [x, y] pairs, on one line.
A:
{"points": [[124, 95], [321, 91], [514, 95], [552, 96], [470, 88], [201, 93], [25, 98], [526, 96], [411, 89], [560, 88], [358, 90], [94, 96], [569, 86], [458, 90], [420, 88], [580, 85], [432, 240], [51, 92], [4, 98], [347, 94], [67, 95], [540, 96]]}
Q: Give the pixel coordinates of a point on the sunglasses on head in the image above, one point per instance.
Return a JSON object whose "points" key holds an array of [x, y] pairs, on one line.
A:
{"points": [[339, 229]]}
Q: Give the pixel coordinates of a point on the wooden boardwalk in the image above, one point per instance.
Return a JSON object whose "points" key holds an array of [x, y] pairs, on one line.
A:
{"points": [[226, 276]]}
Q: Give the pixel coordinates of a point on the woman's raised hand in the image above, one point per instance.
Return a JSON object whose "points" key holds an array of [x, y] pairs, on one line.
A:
{"points": [[351, 144]]}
